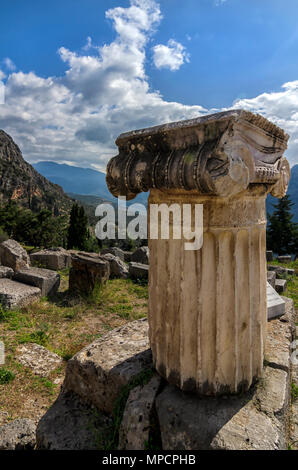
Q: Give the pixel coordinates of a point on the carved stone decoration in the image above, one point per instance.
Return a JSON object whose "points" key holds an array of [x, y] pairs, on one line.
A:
{"points": [[219, 154], [207, 308]]}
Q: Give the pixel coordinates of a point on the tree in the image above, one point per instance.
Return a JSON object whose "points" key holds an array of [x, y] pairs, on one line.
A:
{"points": [[78, 233], [282, 232]]}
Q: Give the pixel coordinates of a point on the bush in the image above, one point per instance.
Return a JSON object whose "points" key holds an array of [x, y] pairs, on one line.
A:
{"points": [[5, 376]]}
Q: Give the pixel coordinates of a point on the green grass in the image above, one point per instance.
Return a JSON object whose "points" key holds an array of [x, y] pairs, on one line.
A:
{"points": [[294, 391], [292, 280], [6, 376]]}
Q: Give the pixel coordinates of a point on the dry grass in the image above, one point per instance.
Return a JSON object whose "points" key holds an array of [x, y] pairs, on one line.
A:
{"points": [[64, 325]]}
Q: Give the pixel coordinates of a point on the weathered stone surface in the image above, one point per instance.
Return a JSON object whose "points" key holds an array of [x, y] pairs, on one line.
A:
{"points": [[135, 425], [86, 272], [276, 306], [138, 270], [52, 259], [39, 359], [273, 393], [280, 285], [117, 267], [281, 271], [97, 372], [18, 435], [284, 259], [14, 294], [47, 280], [127, 256], [279, 337], [269, 255], [141, 255], [114, 251], [188, 422], [13, 255], [271, 277], [71, 424], [6, 272]]}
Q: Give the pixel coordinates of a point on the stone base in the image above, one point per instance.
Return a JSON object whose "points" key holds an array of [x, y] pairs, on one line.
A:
{"points": [[258, 419], [52, 259], [47, 280], [16, 295]]}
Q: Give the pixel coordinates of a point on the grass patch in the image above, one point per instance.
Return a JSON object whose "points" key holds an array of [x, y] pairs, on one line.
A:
{"points": [[294, 391], [6, 376]]}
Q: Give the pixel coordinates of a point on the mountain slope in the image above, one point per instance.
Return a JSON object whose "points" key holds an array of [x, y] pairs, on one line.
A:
{"points": [[84, 181], [20, 182], [292, 192]]}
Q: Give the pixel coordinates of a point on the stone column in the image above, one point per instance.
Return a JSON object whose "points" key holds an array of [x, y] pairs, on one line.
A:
{"points": [[207, 307]]}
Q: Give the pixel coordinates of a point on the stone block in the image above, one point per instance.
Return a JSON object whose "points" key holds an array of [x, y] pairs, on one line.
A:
{"points": [[138, 270], [47, 280], [13, 255], [52, 259], [97, 372], [18, 435], [114, 251], [71, 424], [39, 359], [273, 393], [269, 255], [87, 272], [276, 306], [14, 294], [271, 277], [6, 272], [141, 255], [118, 268], [280, 285], [281, 272], [127, 256], [135, 425], [284, 259]]}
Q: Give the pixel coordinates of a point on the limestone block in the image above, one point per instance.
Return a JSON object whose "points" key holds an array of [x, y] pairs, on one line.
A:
{"points": [[86, 272], [280, 285], [276, 306], [269, 255], [39, 359], [52, 259], [13, 255], [6, 272], [15, 294], [118, 268], [46, 279], [284, 259], [18, 435], [138, 270], [271, 277], [97, 372], [114, 251], [135, 425], [71, 424], [141, 255]]}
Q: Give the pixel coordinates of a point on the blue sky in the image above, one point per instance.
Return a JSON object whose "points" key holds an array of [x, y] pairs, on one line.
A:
{"points": [[77, 73]]}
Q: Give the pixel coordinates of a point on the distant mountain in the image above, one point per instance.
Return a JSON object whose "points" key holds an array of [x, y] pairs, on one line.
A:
{"points": [[84, 181], [20, 182], [292, 192]]}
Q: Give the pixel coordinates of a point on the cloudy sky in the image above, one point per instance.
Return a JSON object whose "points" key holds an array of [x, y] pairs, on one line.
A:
{"points": [[77, 73]]}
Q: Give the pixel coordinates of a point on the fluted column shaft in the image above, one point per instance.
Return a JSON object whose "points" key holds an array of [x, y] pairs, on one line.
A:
{"points": [[207, 308]]}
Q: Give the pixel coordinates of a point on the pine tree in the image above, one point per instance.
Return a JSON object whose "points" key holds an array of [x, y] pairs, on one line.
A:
{"points": [[78, 232], [282, 232]]}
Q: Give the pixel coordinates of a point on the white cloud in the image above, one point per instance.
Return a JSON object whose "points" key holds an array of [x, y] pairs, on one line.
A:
{"points": [[171, 56], [75, 118], [9, 64]]}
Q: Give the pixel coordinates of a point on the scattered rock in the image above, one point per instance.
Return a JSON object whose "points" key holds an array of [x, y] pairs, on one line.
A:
{"points": [[141, 255], [47, 280], [280, 285], [15, 294], [39, 359], [71, 424], [127, 256], [97, 372], [269, 255], [276, 306], [117, 267], [13, 255], [284, 259], [86, 272], [135, 426], [6, 272], [18, 435], [138, 270], [281, 271], [114, 251], [55, 259], [271, 277]]}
